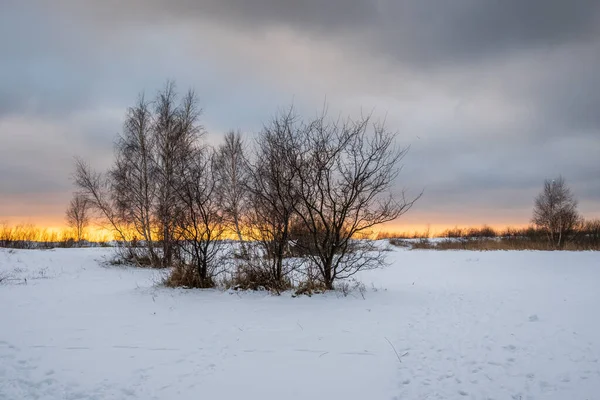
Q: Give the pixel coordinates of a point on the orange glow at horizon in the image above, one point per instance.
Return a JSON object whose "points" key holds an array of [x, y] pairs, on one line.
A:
{"points": [[437, 229], [98, 233]]}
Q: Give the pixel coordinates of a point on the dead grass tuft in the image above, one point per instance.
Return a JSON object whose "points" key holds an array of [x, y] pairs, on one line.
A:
{"points": [[187, 276], [498, 244], [257, 278], [310, 287]]}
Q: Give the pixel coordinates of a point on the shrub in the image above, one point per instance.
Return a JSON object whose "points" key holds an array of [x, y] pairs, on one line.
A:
{"points": [[399, 242], [309, 287], [187, 276], [254, 275]]}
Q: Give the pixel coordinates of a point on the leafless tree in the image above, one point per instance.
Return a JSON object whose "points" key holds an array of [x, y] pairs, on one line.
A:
{"points": [[200, 226], [555, 211], [137, 196], [232, 170], [78, 215], [96, 188], [175, 131], [344, 173], [270, 191], [133, 176]]}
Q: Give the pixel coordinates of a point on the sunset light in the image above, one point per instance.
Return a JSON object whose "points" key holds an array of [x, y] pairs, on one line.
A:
{"points": [[299, 199]]}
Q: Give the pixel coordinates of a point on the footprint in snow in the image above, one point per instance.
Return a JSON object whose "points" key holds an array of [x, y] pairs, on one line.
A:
{"points": [[510, 347], [533, 318]]}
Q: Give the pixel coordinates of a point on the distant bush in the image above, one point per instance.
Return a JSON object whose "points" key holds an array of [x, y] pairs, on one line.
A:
{"points": [[399, 242], [404, 235], [587, 235], [470, 233]]}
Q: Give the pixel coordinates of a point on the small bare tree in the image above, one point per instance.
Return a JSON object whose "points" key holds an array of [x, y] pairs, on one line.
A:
{"points": [[137, 196], [555, 211], [200, 226], [271, 196], [232, 170], [175, 133], [78, 215], [344, 174], [96, 188], [133, 176]]}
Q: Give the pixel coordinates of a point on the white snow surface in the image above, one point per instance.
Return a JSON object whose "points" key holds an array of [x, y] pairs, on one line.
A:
{"points": [[465, 325]]}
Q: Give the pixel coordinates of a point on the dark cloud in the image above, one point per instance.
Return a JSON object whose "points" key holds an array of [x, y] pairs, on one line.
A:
{"points": [[573, 95], [494, 95], [413, 31], [464, 37]]}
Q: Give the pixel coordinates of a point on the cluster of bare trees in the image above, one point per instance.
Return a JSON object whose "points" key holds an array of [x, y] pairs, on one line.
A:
{"points": [[159, 196], [312, 188], [297, 201]]}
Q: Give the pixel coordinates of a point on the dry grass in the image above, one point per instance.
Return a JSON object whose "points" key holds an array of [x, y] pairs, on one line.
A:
{"points": [[515, 244], [403, 235], [187, 276], [400, 242], [29, 236], [248, 276], [585, 237], [310, 287]]}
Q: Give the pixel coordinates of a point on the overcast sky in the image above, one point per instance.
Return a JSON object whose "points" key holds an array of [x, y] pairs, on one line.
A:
{"points": [[493, 96]]}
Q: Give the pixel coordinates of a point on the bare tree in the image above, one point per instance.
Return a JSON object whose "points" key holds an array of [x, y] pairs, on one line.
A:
{"points": [[344, 174], [96, 188], [78, 215], [137, 196], [133, 176], [175, 131], [200, 226], [555, 211], [232, 170], [270, 192]]}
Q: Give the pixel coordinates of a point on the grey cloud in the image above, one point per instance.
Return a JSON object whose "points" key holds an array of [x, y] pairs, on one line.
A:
{"points": [[521, 77], [575, 95], [414, 31], [463, 172], [37, 154], [421, 36]]}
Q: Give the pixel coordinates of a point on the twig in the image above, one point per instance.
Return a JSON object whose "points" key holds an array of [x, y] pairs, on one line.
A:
{"points": [[397, 355]]}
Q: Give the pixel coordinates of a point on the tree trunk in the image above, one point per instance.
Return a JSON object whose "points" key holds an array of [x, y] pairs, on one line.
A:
{"points": [[167, 256], [328, 274]]}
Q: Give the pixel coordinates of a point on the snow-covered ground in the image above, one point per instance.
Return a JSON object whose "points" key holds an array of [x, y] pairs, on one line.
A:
{"points": [[465, 325]]}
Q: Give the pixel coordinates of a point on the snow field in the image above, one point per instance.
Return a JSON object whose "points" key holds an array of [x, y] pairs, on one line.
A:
{"points": [[465, 325]]}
